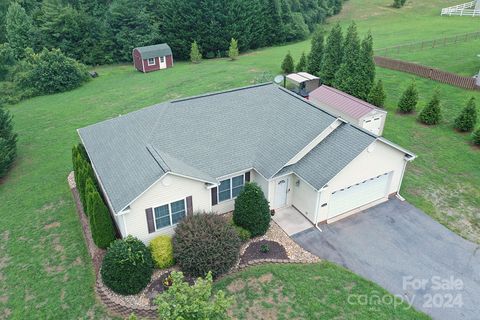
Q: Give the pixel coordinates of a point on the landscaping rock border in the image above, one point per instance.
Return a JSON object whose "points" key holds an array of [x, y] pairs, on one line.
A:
{"points": [[126, 305]]}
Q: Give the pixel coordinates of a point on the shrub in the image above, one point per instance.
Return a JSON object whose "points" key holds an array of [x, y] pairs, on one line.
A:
{"points": [[233, 49], [182, 301], [50, 71], [251, 210], [162, 251], [195, 55], [409, 99], [377, 95], [243, 234], [264, 248], [302, 63], [8, 142], [205, 242], [467, 119], [127, 266], [476, 137], [287, 64], [399, 3], [101, 225], [431, 114]]}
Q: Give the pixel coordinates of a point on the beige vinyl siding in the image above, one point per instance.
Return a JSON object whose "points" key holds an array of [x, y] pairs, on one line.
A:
{"points": [[260, 180], [304, 197], [169, 189], [381, 159]]}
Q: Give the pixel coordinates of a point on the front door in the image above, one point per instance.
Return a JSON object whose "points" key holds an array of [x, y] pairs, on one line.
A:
{"points": [[281, 189]]}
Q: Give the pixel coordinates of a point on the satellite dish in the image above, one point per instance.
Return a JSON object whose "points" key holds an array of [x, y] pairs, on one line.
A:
{"points": [[278, 79]]}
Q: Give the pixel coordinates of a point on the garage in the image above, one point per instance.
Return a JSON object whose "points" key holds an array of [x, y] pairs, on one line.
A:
{"points": [[357, 195]]}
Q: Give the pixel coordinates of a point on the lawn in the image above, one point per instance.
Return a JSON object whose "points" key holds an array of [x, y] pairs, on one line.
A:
{"points": [[45, 270], [315, 291]]}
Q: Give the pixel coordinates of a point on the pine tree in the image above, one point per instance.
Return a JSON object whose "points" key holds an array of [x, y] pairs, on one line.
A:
{"points": [[103, 232], [431, 114], [367, 67], [348, 76], [476, 137], [409, 99], [288, 65], [8, 142], [195, 55], [315, 56], [89, 189], [233, 49], [302, 63], [467, 119], [377, 95], [332, 58], [19, 29]]}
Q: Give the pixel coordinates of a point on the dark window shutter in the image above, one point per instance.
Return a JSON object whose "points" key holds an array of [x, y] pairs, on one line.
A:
{"points": [[150, 223], [189, 205], [247, 176], [214, 196]]}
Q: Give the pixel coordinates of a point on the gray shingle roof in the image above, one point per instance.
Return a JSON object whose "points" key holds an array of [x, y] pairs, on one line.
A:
{"points": [[331, 155], [157, 50], [213, 135]]}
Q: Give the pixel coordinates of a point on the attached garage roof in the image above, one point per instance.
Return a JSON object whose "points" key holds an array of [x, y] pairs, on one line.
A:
{"points": [[341, 101], [157, 50]]}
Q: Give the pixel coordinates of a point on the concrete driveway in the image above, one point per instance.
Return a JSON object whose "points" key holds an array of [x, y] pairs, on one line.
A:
{"points": [[405, 251]]}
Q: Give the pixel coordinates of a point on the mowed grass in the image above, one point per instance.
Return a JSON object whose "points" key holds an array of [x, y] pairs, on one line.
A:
{"points": [[315, 291], [45, 270]]}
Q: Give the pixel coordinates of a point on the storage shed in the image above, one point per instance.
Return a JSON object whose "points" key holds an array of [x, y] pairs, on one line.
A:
{"points": [[352, 109], [303, 83], [152, 58]]}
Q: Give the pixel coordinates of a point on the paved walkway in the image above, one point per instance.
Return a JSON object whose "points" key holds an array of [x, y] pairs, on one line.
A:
{"points": [[291, 221]]}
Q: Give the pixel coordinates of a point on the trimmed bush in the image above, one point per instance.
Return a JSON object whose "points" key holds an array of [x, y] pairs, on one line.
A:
{"points": [[467, 120], [251, 210], [205, 242], [476, 137], [127, 267], [182, 301], [101, 225], [377, 95], [287, 65], [431, 114], [408, 101], [162, 251], [243, 234]]}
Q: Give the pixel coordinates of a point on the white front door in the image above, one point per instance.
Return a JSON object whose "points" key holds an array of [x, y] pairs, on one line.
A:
{"points": [[163, 63], [281, 189]]}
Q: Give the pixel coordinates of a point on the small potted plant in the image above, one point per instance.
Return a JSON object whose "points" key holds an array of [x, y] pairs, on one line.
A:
{"points": [[264, 248], [272, 212]]}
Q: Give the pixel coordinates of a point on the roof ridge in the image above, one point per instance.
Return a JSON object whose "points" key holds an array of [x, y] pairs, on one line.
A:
{"points": [[349, 96], [221, 92]]}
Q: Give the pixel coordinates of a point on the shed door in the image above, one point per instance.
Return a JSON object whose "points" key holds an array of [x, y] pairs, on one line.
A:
{"points": [[163, 62], [349, 198]]}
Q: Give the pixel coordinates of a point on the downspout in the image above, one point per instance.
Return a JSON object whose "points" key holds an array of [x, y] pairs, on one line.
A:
{"points": [[316, 211], [407, 160]]}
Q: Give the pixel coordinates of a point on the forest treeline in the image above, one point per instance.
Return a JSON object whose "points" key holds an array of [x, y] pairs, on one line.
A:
{"points": [[105, 31]]}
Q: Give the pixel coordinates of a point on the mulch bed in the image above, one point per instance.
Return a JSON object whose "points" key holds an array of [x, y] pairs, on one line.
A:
{"points": [[254, 252], [156, 286]]}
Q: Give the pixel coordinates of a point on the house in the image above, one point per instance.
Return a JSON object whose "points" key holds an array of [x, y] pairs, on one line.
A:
{"points": [[152, 58], [349, 108], [161, 163], [303, 83]]}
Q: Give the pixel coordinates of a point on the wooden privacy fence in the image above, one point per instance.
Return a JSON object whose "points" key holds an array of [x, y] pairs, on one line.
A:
{"points": [[427, 72], [428, 44]]}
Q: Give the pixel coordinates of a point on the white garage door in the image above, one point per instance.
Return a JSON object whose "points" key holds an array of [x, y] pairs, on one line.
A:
{"points": [[360, 194]]}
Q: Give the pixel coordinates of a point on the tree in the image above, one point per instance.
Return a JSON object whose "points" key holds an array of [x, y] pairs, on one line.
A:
{"points": [[332, 57], [7, 60], [367, 68], [316, 53], [8, 142], [377, 95], [467, 119], [103, 232], [251, 210], [19, 29], [431, 114], [288, 64], [348, 75], [398, 3], [182, 301], [476, 137], [195, 55], [409, 99], [233, 49], [302, 63]]}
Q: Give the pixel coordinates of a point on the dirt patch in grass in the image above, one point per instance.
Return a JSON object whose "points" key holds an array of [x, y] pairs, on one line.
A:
{"points": [[51, 206], [55, 224], [236, 286]]}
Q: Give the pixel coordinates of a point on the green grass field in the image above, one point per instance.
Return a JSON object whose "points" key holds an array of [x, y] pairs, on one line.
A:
{"points": [[274, 292], [45, 271]]}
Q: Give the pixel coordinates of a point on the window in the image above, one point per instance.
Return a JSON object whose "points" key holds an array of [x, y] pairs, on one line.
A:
{"points": [[230, 188], [151, 61], [169, 214], [162, 59]]}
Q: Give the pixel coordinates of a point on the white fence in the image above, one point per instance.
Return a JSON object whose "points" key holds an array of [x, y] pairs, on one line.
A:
{"points": [[466, 9]]}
